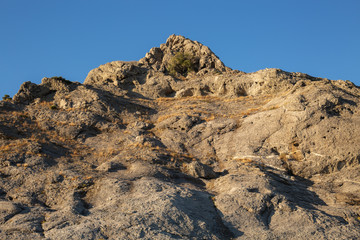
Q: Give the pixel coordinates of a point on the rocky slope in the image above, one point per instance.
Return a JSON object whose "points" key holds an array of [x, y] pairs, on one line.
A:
{"points": [[215, 153]]}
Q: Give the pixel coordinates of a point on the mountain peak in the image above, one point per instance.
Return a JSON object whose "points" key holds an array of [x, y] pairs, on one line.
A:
{"points": [[158, 57], [178, 146]]}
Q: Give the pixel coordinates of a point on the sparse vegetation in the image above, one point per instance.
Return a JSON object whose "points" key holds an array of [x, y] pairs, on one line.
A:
{"points": [[181, 64], [6, 97], [16, 145]]}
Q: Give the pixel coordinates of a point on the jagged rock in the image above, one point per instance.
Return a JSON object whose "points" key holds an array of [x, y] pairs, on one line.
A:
{"points": [[29, 91], [149, 76], [115, 73], [158, 58], [57, 84], [136, 152], [188, 92]]}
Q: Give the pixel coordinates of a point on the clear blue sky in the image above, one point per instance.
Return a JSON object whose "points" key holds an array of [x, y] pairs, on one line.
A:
{"points": [[45, 38]]}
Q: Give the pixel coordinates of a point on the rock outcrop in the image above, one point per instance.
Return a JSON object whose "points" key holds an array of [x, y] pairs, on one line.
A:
{"points": [[139, 153], [159, 57]]}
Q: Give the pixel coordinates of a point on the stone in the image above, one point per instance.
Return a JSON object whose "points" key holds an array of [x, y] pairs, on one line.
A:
{"points": [[136, 152], [110, 166], [29, 91], [200, 170]]}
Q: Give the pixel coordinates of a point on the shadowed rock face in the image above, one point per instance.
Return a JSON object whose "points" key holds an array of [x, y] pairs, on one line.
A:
{"points": [[135, 152]]}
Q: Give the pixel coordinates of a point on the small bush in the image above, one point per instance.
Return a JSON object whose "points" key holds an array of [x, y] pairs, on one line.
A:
{"points": [[53, 107], [181, 64], [6, 97]]}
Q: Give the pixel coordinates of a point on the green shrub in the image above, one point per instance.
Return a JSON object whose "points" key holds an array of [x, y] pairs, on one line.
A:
{"points": [[53, 107], [181, 63], [6, 97]]}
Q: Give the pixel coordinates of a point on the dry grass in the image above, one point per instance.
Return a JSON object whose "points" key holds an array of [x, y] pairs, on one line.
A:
{"points": [[272, 107], [238, 99], [76, 152], [207, 98], [165, 99], [108, 152], [295, 153], [209, 118], [283, 157], [245, 160], [20, 114], [14, 146], [164, 117], [24, 165], [144, 119], [250, 111], [140, 145], [45, 104], [191, 106], [19, 146], [65, 123], [80, 109]]}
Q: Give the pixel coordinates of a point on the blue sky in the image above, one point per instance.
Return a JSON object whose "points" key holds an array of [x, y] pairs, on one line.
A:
{"points": [[45, 38]]}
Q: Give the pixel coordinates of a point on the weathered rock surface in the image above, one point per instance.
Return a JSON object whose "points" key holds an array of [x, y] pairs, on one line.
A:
{"points": [[137, 153]]}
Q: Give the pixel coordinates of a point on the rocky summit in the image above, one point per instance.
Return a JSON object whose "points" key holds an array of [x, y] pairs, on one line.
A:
{"points": [[179, 146]]}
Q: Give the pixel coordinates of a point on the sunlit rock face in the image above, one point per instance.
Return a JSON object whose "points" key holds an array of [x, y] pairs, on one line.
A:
{"points": [[179, 146]]}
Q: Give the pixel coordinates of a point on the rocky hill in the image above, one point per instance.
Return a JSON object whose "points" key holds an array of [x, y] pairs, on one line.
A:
{"points": [[179, 146]]}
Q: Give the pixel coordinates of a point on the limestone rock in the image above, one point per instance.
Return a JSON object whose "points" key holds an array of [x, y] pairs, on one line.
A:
{"points": [[138, 153]]}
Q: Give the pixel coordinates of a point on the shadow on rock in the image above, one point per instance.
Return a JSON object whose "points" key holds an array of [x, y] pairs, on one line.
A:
{"points": [[296, 190]]}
